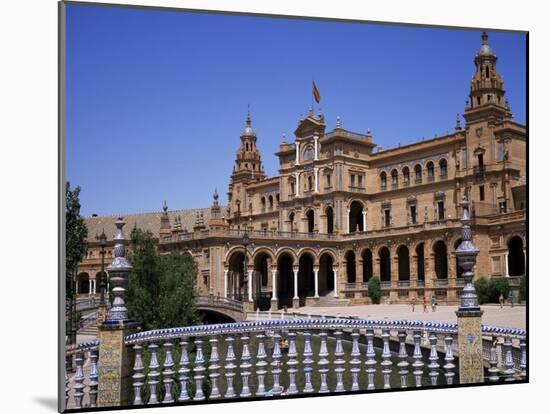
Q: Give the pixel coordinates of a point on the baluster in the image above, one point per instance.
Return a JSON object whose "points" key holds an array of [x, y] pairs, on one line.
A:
{"points": [[449, 358], [403, 364], [168, 373], [245, 366], [386, 358], [139, 376], [355, 362], [493, 361], [261, 364], [183, 370], [417, 356], [213, 368], [79, 380], [339, 362], [508, 360], [67, 388], [292, 362], [276, 364], [434, 359], [230, 367], [308, 363], [370, 363], [323, 362], [93, 376], [523, 362], [198, 370], [154, 374]]}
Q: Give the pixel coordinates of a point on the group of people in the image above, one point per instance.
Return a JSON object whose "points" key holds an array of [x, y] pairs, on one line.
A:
{"points": [[425, 303], [502, 300]]}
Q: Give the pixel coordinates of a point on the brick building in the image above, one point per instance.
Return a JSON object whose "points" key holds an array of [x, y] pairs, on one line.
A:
{"points": [[342, 211]]}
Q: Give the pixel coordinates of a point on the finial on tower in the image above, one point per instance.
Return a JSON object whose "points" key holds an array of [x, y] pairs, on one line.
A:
{"points": [[484, 38], [338, 122], [457, 125], [216, 196], [164, 206], [283, 140]]}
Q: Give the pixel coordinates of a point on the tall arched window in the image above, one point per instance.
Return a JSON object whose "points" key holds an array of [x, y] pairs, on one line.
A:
{"points": [[271, 202], [431, 169], [443, 168], [394, 179], [383, 181], [263, 203], [418, 174], [406, 176]]}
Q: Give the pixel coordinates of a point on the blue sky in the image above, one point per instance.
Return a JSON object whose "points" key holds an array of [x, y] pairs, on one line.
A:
{"points": [[156, 100]]}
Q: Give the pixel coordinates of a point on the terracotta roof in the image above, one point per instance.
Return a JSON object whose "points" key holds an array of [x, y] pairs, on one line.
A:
{"points": [[145, 221]]}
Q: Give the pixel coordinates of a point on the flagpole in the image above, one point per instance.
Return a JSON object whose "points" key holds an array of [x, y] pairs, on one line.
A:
{"points": [[312, 103]]}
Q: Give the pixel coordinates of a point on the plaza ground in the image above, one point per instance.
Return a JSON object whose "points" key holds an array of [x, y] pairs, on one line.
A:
{"points": [[492, 314]]}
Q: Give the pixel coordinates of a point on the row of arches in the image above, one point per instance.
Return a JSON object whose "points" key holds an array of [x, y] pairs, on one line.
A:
{"points": [[417, 169], [85, 285]]}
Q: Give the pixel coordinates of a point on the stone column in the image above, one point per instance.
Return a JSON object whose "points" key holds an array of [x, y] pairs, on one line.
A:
{"points": [[316, 276], [297, 153], [470, 343], [225, 282], [394, 276], [316, 171], [364, 220], [115, 361], [347, 222], [250, 276], [335, 271], [297, 184], [414, 274], [295, 298], [316, 142], [507, 274]]}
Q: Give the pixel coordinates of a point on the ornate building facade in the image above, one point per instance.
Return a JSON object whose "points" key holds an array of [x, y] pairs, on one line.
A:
{"points": [[341, 212]]}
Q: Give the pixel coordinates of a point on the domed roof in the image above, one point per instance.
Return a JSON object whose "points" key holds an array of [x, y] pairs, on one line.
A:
{"points": [[485, 50], [248, 131]]}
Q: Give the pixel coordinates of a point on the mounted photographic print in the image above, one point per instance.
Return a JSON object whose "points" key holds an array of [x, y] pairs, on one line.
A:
{"points": [[262, 207]]}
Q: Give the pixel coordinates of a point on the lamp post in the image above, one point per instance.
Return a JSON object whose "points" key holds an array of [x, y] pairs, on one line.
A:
{"points": [[102, 244]]}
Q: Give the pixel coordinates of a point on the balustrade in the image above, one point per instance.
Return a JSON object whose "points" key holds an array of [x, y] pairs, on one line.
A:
{"points": [[249, 359]]}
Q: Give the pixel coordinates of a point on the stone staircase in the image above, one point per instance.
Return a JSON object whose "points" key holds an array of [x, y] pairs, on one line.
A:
{"points": [[330, 300], [90, 326]]}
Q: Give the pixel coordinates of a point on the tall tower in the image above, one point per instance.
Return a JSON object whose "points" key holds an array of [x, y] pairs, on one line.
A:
{"points": [[248, 169], [486, 86]]}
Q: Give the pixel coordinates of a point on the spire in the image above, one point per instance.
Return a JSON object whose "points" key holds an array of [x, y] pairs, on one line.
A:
{"points": [[248, 131], [216, 196], [164, 206], [338, 122], [457, 126]]}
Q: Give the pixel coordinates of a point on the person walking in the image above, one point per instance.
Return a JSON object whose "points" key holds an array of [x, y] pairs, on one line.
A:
{"points": [[511, 299], [501, 300], [413, 302], [425, 303], [434, 303]]}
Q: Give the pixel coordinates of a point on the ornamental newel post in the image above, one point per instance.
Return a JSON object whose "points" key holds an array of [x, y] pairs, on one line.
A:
{"points": [[470, 345], [115, 358]]}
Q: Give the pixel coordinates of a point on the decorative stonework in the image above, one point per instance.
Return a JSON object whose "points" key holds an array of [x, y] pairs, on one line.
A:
{"points": [[470, 348]]}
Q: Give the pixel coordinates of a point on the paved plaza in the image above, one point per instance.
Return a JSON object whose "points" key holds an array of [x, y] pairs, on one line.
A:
{"points": [[493, 315]]}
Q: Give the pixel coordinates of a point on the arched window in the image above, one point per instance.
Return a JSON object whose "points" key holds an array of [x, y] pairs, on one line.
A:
{"points": [[418, 174], [406, 176], [355, 217], [263, 203], [310, 183], [394, 179], [308, 154], [350, 266], [431, 169], [291, 219], [330, 219], [383, 181], [271, 202], [310, 221], [443, 168]]}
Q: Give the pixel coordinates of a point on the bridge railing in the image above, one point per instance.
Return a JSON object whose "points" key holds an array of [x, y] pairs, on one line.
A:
{"points": [[219, 302], [82, 389], [228, 361]]}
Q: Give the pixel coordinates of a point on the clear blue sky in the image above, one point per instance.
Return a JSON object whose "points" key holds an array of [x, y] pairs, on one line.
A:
{"points": [[156, 100]]}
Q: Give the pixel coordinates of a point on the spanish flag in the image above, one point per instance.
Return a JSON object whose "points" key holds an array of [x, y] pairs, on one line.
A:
{"points": [[316, 93]]}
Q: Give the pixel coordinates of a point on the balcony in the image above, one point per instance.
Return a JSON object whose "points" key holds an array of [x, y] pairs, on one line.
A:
{"points": [[357, 189], [385, 285], [420, 283], [403, 283], [406, 183], [441, 282], [479, 169], [443, 176], [418, 180], [383, 187], [394, 186], [431, 178]]}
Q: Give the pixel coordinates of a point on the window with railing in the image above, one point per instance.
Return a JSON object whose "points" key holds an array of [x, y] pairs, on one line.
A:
{"points": [[431, 171], [443, 169], [394, 179], [406, 177], [383, 181], [412, 214], [418, 174]]}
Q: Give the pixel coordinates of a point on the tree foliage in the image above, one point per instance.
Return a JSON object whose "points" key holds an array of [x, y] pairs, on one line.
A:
{"points": [[374, 289], [162, 288], [489, 290], [76, 231]]}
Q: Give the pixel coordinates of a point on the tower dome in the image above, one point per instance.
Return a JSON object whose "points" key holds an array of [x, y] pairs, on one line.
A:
{"points": [[248, 131]]}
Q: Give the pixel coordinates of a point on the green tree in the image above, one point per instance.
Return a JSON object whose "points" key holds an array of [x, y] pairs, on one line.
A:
{"points": [[523, 288], [482, 289], [76, 234], [162, 288], [498, 286], [375, 292]]}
